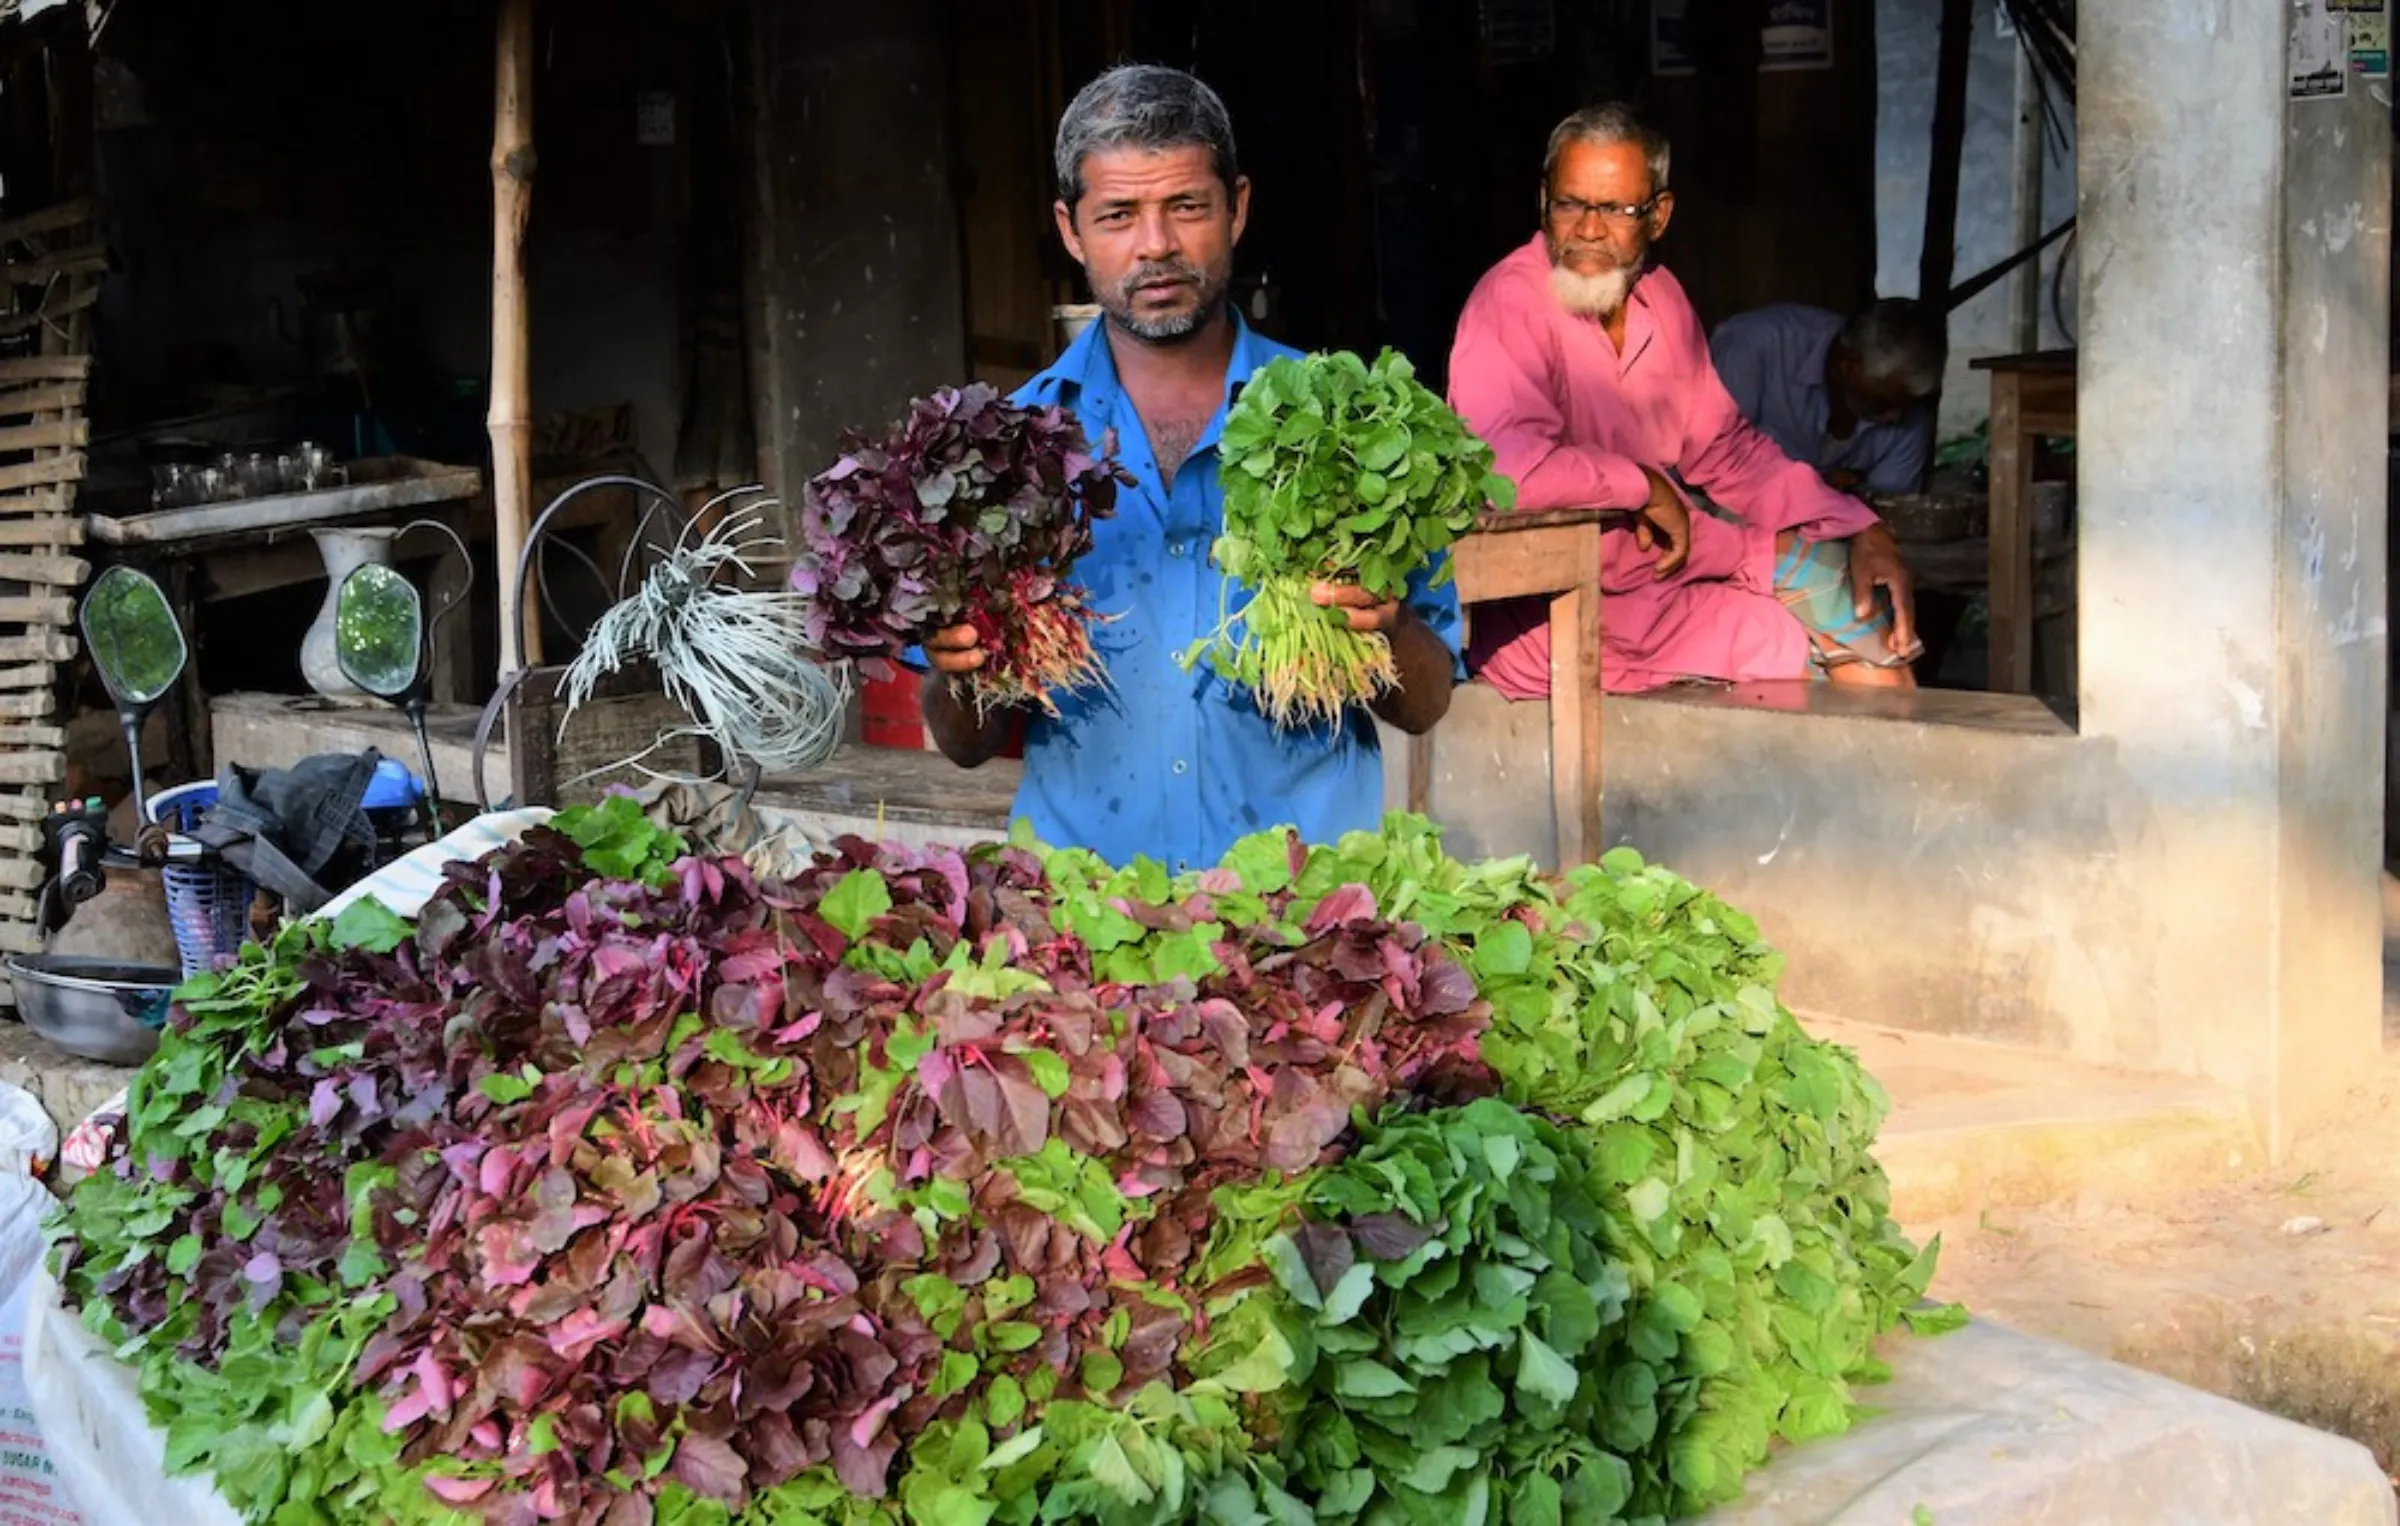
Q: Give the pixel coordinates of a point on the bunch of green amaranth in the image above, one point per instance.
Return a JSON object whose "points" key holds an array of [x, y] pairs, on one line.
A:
{"points": [[1335, 471]]}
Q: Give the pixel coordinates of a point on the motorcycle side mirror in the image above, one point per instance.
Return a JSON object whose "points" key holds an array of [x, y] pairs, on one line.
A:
{"points": [[379, 641], [379, 632], [137, 644]]}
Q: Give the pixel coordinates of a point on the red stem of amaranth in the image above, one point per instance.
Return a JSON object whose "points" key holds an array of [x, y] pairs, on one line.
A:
{"points": [[1038, 649]]}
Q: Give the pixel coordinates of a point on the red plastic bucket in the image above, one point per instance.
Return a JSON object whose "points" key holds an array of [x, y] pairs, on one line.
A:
{"points": [[890, 716]]}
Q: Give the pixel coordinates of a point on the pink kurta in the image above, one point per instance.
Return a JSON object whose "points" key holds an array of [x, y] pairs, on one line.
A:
{"points": [[1574, 422]]}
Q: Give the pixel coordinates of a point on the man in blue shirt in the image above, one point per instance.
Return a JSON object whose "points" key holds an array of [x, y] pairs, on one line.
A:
{"points": [[1851, 398], [1163, 763]]}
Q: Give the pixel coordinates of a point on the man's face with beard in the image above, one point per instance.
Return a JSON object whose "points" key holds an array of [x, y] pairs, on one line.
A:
{"points": [[1154, 232], [1599, 216]]}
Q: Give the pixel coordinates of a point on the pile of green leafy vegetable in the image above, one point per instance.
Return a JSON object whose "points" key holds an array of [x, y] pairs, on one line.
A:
{"points": [[1342, 1183], [1341, 472]]}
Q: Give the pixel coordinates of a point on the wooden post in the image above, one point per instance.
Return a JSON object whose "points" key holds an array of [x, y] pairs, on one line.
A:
{"points": [[1935, 262], [2025, 292], [510, 421]]}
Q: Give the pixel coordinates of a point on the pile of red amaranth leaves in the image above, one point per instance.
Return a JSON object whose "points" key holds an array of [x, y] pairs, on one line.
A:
{"points": [[972, 511], [779, 1173]]}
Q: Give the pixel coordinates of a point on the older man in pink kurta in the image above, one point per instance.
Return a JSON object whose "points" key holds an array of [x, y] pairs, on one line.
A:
{"points": [[1590, 408]]}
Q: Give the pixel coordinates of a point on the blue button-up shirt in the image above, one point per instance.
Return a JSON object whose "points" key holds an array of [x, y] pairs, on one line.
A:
{"points": [[1166, 764], [1773, 362]]}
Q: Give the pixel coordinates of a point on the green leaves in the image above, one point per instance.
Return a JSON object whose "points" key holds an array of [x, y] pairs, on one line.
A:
{"points": [[619, 841], [1340, 471], [369, 924], [1453, 1302], [853, 905]]}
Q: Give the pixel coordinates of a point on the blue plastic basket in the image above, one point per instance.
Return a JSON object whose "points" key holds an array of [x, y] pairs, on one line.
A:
{"points": [[209, 907]]}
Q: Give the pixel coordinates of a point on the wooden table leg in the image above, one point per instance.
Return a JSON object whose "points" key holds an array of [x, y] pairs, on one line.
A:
{"points": [[2011, 590], [1575, 722]]}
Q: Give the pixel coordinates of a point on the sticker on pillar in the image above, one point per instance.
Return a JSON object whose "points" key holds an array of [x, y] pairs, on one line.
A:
{"points": [[2371, 43], [2320, 51], [1798, 35], [1669, 59]]}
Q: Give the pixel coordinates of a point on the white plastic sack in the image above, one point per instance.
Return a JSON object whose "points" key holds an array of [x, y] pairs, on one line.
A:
{"points": [[100, 1441], [1986, 1427], [32, 1490], [28, 1139]]}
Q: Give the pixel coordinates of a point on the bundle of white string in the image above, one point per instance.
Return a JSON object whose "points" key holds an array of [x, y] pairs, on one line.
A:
{"points": [[733, 658]]}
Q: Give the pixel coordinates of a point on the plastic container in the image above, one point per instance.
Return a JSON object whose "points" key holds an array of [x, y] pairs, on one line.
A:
{"points": [[888, 713], [889, 716], [208, 904], [395, 804]]}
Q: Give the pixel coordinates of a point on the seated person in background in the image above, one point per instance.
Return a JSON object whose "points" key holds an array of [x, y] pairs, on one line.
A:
{"points": [[1851, 398], [1586, 369]]}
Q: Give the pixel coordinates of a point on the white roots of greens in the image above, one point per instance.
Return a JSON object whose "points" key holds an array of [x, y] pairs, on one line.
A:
{"points": [[1301, 661], [734, 659]]}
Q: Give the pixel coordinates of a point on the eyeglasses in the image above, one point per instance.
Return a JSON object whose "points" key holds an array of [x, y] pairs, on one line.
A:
{"points": [[1567, 212]]}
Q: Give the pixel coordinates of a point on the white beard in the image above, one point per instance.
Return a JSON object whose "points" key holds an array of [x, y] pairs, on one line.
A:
{"points": [[1592, 296]]}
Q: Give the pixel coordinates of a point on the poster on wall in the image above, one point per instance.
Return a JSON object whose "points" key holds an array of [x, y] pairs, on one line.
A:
{"points": [[2320, 51], [1669, 58], [1798, 35], [2371, 43]]}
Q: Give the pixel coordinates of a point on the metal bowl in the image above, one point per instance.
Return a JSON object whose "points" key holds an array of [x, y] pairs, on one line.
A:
{"points": [[101, 1009]]}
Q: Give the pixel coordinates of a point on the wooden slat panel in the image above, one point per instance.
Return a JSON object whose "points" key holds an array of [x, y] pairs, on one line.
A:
{"points": [[57, 571], [52, 267], [29, 368], [32, 767], [23, 806], [37, 609], [52, 436], [43, 527], [39, 646], [55, 309], [45, 397], [28, 704], [42, 473], [32, 734], [67, 214], [32, 675]]}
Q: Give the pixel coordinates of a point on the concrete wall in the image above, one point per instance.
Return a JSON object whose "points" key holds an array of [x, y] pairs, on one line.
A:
{"points": [[1907, 43], [855, 271]]}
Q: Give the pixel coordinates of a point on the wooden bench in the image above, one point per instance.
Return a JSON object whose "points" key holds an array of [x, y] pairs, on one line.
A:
{"points": [[1552, 554]]}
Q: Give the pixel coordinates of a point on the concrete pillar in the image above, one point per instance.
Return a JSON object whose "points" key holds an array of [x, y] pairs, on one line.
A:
{"points": [[2233, 391], [855, 280]]}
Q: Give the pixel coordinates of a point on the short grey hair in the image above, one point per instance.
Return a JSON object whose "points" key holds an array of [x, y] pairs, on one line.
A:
{"points": [[1147, 107], [1604, 124], [1900, 340]]}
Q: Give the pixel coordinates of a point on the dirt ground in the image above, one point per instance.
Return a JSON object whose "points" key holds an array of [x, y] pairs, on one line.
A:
{"points": [[2281, 1291]]}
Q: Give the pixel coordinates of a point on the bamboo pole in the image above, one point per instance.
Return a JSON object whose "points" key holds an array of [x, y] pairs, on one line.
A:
{"points": [[510, 420]]}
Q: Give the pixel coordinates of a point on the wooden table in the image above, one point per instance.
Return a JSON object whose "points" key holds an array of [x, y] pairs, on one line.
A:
{"points": [[1553, 554], [2032, 396]]}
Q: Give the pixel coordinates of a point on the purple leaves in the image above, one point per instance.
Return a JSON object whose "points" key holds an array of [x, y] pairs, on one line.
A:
{"points": [[712, 1182], [971, 510]]}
